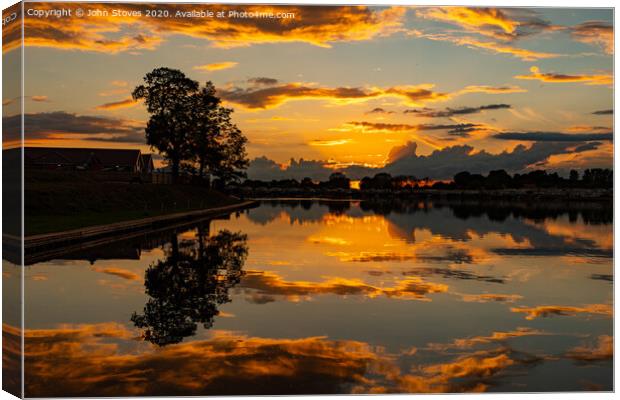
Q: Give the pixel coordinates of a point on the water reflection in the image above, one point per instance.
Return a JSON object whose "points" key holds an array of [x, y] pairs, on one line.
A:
{"points": [[187, 285], [320, 297], [88, 363]]}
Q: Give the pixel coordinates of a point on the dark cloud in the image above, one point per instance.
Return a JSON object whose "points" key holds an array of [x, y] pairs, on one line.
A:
{"points": [[259, 96], [553, 136], [587, 146], [46, 125], [379, 110], [464, 130], [272, 96], [603, 112], [555, 252], [381, 126], [450, 112], [262, 81], [554, 77], [263, 168], [602, 277], [452, 128], [386, 127], [440, 164], [444, 163], [137, 138], [561, 310], [451, 273]]}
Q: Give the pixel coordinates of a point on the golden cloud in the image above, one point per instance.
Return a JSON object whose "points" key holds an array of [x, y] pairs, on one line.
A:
{"points": [[90, 364], [217, 66], [265, 285], [379, 127], [490, 297], [39, 277], [504, 24], [547, 311], [473, 372], [466, 366], [39, 99], [597, 33], [563, 78], [119, 272], [330, 240], [329, 143], [11, 359], [85, 34], [494, 47], [472, 18], [603, 350], [90, 361], [122, 84], [12, 32], [36, 99], [498, 336], [491, 89], [110, 33], [125, 103], [510, 24], [588, 128], [274, 95]]}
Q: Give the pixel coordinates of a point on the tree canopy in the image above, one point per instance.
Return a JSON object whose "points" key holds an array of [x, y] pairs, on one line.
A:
{"points": [[186, 287], [189, 126]]}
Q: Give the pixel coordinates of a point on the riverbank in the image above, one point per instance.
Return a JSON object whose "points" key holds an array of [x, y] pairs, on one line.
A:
{"points": [[58, 202], [46, 245], [551, 194]]}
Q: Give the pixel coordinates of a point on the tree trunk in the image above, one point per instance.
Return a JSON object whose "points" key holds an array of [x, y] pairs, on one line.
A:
{"points": [[201, 168]]}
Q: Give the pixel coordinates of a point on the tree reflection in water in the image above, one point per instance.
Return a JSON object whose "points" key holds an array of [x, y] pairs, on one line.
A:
{"points": [[186, 287]]}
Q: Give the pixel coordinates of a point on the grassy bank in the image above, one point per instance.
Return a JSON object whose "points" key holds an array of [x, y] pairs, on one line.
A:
{"points": [[57, 202]]}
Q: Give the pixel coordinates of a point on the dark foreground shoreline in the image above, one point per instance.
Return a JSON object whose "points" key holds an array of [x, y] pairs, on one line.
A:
{"points": [[46, 245]]}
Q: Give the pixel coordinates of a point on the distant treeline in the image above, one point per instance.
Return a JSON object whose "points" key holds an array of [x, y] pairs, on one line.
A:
{"points": [[495, 210], [598, 178]]}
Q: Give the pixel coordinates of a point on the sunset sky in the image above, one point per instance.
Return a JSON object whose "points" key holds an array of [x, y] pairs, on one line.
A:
{"points": [[415, 88]]}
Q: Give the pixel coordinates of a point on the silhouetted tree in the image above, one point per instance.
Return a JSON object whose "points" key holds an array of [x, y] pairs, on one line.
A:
{"points": [[381, 181], [167, 94], [498, 179], [218, 143], [203, 131], [465, 180], [462, 179], [190, 128], [307, 183], [338, 180], [598, 178], [186, 287], [573, 177]]}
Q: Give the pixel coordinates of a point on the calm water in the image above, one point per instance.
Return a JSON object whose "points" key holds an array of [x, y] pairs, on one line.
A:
{"points": [[331, 297]]}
